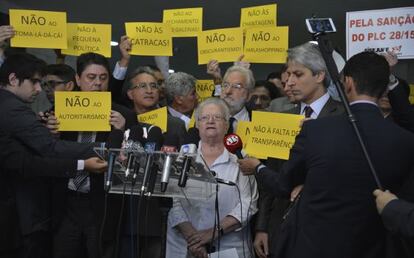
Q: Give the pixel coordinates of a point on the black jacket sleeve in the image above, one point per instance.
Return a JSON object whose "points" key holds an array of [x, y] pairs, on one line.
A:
{"points": [[19, 162], [292, 172], [398, 217]]}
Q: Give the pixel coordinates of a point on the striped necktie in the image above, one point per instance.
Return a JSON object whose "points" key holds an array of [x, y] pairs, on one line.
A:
{"points": [[81, 176]]}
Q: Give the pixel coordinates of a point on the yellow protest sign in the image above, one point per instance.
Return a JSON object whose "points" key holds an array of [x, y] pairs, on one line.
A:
{"points": [[87, 37], [243, 130], [149, 38], [264, 15], [411, 97], [185, 22], [266, 45], [83, 111], [274, 137], [38, 29], [224, 45], [192, 122], [204, 89], [157, 117]]}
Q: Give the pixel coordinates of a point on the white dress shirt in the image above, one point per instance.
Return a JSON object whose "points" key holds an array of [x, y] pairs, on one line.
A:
{"points": [[316, 106], [242, 115], [179, 115]]}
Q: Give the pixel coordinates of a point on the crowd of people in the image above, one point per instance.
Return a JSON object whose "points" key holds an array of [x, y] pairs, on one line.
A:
{"points": [[322, 202]]}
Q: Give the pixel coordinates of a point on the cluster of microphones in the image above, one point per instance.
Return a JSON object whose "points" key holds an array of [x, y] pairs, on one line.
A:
{"points": [[148, 142]]}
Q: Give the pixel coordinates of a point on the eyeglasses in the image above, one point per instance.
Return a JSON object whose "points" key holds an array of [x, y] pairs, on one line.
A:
{"points": [[52, 84], [143, 85], [215, 117], [35, 80], [236, 86]]}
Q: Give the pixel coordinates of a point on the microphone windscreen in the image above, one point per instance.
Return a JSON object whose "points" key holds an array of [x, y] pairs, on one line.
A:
{"points": [[192, 136], [155, 136], [115, 139], [171, 141], [233, 143], [136, 134]]}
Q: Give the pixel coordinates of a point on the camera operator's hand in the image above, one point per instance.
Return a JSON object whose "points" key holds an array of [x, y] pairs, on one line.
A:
{"points": [[383, 198], [50, 122], [96, 165]]}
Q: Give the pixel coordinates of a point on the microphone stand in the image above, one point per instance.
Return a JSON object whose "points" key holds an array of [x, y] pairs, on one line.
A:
{"points": [[326, 51]]}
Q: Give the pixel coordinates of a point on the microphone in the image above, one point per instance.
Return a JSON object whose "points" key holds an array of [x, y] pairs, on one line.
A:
{"points": [[192, 136], [114, 142], [154, 141], [166, 169], [133, 144], [234, 144], [186, 149]]}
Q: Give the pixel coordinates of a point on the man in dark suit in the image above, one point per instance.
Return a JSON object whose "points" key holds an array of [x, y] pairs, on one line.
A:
{"points": [[180, 92], [79, 206], [143, 91], [19, 164], [307, 80], [20, 77], [335, 215]]}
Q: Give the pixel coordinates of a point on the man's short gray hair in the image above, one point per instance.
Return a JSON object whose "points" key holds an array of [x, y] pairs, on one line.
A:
{"points": [[179, 84], [247, 73], [139, 70], [215, 101], [310, 56]]}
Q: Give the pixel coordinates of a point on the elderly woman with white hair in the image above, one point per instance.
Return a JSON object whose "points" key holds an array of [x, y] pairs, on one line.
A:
{"points": [[191, 226]]}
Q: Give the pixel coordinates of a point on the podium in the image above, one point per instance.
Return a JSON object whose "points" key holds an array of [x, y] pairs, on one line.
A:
{"points": [[128, 174]]}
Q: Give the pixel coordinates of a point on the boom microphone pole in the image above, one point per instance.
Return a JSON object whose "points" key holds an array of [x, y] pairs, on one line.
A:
{"points": [[326, 51]]}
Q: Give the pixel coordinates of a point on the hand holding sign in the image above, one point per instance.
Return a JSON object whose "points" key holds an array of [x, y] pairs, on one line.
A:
{"points": [[125, 46], [117, 120], [213, 69], [244, 64], [6, 32]]}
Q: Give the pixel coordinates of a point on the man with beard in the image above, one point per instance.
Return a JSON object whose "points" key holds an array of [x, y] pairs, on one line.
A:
{"points": [[238, 82]]}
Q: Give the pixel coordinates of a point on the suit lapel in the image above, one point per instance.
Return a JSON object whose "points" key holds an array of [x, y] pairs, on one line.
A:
{"points": [[331, 106]]}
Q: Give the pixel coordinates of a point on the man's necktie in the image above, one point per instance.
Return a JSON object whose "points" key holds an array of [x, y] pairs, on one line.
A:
{"points": [[231, 128], [308, 111], [82, 175]]}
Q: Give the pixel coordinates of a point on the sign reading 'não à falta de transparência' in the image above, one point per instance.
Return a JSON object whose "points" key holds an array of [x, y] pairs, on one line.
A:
{"points": [[273, 134], [83, 111], [38, 29]]}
